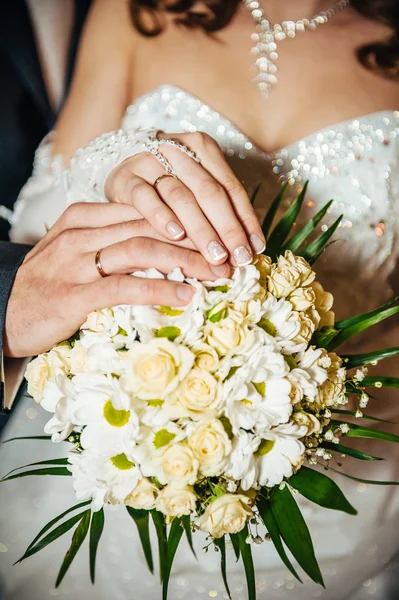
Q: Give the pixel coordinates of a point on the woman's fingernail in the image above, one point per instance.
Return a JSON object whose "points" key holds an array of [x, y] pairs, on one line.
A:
{"points": [[216, 251], [220, 270], [175, 230], [257, 243], [243, 256], [185, 292]]}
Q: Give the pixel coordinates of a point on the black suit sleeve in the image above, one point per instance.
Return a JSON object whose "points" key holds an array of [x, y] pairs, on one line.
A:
{"points": [[11, 257]]}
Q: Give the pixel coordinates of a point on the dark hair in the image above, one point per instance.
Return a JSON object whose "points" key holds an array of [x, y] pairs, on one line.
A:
{"points": [[381, 57]]}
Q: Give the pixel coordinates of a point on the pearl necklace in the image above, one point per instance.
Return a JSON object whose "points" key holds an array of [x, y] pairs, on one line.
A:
{"points": [[267, 36]]}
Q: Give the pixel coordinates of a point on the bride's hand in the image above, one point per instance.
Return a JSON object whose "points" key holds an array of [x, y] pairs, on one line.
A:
{"points": [[207, 202]]}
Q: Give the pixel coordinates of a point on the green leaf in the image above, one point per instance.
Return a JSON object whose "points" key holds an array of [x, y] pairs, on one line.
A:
{"points": [[351, 413], [189, 535], [294, 532], [77, 540], [159, 522], [358, 318], [367, 481], [174, 537], [54, 521], [271, 213], [297, 240], [221, 544], [246, 554], [255, 192], [28, 437], [266, 513], [53, 535], [60, 471], [374, 381], [357, 360], [169, 332], [285, 225], [96, 530], [163, 437], [54, 461], [348, 332], [236, 545], [359, 431], [142, 518], [323, 337], [349, 451], [321, 490], [312, 251]]}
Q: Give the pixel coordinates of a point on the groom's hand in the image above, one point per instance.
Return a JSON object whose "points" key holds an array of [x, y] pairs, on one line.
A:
{"points": [[58, 284]]}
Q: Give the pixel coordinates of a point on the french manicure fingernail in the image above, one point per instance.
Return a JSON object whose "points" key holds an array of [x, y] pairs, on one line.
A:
{"points": [[220, 270], [257, 243], [175, 230], [185, 292], [216, 251], [243, 256]]}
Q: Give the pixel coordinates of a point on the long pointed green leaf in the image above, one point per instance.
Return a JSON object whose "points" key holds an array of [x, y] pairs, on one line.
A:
{"points": [[294, 532], [255, 192], [60, 471], [271, 213], [96, 530], [54, 521], [359, 431], [367, 481], [266, 513], [53, 461], [187, 528], [321, 490], [236, 545], [375, 381], [142, 520], [300, 238], [354, 320], [357, 360], [221, 544], [174, 537], [349, 451], [159, 522], [77, 540], [53, 535], [246, 554], [357, 328], [28, 437], [351, 413], [313, 250], [285, 225]]}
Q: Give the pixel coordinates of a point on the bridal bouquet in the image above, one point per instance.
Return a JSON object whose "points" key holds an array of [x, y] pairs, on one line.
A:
{"points": [[209, 418]]}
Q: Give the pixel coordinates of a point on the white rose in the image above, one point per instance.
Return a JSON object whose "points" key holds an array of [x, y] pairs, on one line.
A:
{"points": [[306, 329], [211, 446], [199, 392], [176, 501], [323, 304], [228, 334], [37, 374], [79, 359], [289, 273], [143, 496], [179, 464], [307, 275], [227, 514], [308, 420], [206, 357], [264, 264], [302, 298], [155, 369]]}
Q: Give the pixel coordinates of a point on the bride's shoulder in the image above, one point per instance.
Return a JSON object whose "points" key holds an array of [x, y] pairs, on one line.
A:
{"points": [[113, 19]]}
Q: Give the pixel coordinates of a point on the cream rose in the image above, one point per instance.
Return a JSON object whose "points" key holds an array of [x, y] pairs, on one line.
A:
{"points": [[155, 369], [143, 496], [228, 334], [323, 304], [306, 329], [227, 514], [179, 464], [289, 273], [176, 501], [264, 264], [211, 446], [37, 374], [206, 357], [199, 392], [307, 420], [79, 359], [302, 298]]}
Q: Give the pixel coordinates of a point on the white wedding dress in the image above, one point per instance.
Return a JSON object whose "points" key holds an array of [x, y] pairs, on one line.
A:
{"points": [[356, 163]]}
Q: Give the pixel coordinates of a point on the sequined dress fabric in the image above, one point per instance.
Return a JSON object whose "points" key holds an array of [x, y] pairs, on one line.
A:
{"points": [[355, 163]]}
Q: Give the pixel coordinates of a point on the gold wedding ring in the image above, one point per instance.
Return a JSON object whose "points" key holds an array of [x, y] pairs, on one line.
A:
{"points": [[163, 176], [99, 265]]}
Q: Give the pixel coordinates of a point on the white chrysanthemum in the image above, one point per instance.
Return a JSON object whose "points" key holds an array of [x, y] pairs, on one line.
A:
{"points": [[104, 409], [280, 452], [59, 398], [102, 478], [315, 361], [242, 464], [97, 353], [303, 385], [282, 322], [152, 444], [155, 369], [243, 285]]}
